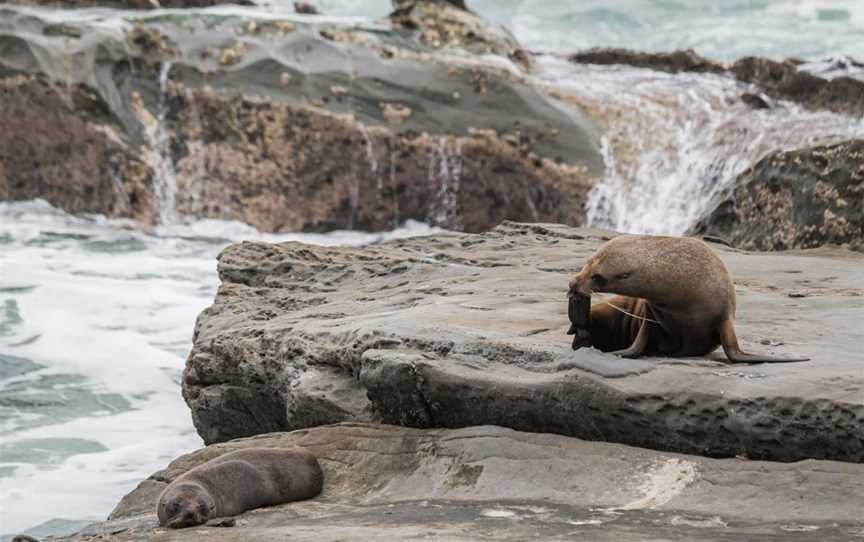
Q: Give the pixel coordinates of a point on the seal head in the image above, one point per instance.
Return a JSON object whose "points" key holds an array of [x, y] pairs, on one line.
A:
{"points": [[185, 505]]}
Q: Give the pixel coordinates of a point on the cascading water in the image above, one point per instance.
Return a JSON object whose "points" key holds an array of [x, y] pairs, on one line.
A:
{"points": [[673, 142], [159, 153], [445, 172]]}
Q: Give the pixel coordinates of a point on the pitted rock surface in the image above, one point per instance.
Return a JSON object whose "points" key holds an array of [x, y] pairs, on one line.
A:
{"points": [[457, 330], [492, 483]]}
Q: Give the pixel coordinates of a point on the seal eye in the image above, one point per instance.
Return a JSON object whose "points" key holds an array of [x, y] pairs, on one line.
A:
{"points": [[598, 280], [623, 276]]}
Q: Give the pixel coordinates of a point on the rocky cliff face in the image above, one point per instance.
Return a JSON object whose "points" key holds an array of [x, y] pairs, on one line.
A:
{"points": [[795, 199], [61, 144], [290, 125], [460, 330]]}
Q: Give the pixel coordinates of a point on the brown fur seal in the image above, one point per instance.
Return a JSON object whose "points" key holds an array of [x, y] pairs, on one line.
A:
{"points": [[23, 538], [238, 481], [676, 300]]}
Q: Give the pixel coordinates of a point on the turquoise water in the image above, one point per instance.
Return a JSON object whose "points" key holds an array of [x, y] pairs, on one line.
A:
{"points": [[721, 29]]}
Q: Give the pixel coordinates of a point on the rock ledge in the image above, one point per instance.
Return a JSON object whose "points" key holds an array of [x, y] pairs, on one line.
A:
{"points": [[458, 330], [491, 483]]}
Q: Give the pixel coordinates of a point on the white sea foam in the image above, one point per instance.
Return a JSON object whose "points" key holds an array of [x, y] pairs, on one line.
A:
{"points": [[104, 315]]}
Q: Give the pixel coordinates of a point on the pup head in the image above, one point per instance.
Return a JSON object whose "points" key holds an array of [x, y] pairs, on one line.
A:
{"points": [[184, 505]]}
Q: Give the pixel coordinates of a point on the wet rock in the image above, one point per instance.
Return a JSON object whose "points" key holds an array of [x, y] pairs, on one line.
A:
{"points": [[457, 330], [283, 168], [294, 126], [407, 4], [678, 61], [784, 80], [305, 8], [68, 152], [756, 101], [491, 483], [780, 80], [443, 24], [795, 199], [835, 67]]}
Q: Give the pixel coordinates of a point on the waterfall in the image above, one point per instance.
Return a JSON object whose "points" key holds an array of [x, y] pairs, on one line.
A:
{"points": [[158, 155], [674, 142], [445, 172]]}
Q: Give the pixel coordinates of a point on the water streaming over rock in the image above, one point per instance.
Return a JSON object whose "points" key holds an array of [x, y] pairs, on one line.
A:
{"points": [[445, 173], [158, 152], [673, 142]]}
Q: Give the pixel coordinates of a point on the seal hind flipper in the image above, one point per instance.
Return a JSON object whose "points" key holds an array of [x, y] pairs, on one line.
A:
{"points": [[640, 343], [729, 340]]}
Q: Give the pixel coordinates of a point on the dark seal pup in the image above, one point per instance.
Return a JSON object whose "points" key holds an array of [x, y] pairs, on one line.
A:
{"points": [[239, 481], [676, 300]]}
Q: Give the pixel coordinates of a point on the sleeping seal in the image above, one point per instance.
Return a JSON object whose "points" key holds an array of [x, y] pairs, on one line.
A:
{"points": [[239, 481]]}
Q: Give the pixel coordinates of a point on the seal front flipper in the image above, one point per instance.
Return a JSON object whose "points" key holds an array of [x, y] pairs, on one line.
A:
{"points": [[229, 521], [729, 340], [579, 313]]}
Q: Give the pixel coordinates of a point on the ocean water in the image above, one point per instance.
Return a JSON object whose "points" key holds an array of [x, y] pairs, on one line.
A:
{"points": [[95, 324], [720, 29], [96, 316]]}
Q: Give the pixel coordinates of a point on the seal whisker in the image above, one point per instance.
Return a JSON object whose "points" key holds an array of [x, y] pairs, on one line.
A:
{"points": [[630, 314]]}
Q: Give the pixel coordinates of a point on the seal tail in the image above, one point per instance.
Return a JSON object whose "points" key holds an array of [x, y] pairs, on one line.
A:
{"points": [[730, 345]]}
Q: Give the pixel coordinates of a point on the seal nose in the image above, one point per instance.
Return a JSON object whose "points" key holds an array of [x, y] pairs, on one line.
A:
{"points": [[580, 284], [185, 519]]}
